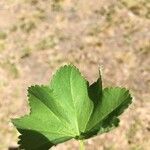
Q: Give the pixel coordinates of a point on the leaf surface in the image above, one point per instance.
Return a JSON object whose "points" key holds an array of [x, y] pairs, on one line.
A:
{"points": [[57, 112], [69, 108], [42, 123], [71, 88], [111, 104]]}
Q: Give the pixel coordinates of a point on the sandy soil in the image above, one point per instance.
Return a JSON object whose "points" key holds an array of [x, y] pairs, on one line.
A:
{"points": [[36, 37]]}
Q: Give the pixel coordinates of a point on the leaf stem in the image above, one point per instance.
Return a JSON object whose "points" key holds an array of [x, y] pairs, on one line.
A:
{"points": [[81, 145]]}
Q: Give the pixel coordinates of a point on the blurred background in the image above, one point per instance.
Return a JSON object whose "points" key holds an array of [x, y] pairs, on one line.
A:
{"points": [[38, 36]]}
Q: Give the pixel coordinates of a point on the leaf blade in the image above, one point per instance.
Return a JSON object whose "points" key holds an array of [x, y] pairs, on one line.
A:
{"points": [[74, 92], [42, 121], [114, 101], [69, 108]]}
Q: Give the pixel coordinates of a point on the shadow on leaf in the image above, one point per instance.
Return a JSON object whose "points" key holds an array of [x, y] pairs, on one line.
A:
{"points": [[33, 140]]}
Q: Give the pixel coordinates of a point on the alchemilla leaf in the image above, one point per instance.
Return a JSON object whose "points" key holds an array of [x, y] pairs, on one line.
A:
{"points": [[68, 107]]}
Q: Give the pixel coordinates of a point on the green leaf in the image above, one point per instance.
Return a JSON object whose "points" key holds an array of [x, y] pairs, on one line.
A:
{"points": [[56, 109], [95, 91], [112, 103], [71, 88], [69, 108], [42, 122], [121, 99]]}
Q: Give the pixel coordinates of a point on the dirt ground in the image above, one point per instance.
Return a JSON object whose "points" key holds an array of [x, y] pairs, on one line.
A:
{"points": [[36, 37]]}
